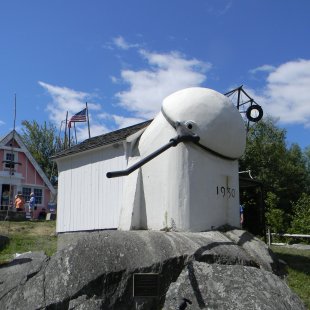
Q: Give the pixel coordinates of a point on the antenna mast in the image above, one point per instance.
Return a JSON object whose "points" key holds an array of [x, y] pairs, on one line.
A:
{"points": [[11, 161]]}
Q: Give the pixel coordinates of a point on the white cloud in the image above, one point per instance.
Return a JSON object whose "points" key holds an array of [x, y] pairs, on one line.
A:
{"points": [[166, 73], [2, 123], [227, 7], [121, 43], [114, 79], [65, 99], [286, 95], [218, 7], [96, 129], [263, 68], [123, 122]]}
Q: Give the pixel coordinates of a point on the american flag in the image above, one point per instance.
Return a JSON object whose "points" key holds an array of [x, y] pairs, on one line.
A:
{"points": [[78, 117]]}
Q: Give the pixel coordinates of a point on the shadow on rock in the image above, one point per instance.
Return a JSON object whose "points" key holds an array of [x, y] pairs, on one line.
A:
{"points": [[16, 261]]}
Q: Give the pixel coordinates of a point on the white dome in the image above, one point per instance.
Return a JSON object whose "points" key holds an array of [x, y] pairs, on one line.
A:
{"points": [[215, 120]]}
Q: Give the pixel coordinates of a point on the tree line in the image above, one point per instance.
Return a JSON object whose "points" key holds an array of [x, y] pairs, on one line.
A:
{"points": [[284, 170]]}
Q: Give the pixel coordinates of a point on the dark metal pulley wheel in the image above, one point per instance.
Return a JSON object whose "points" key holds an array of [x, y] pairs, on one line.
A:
{"points": [[254, 113]]}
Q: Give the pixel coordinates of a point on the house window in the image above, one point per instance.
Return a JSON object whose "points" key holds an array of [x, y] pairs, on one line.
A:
{"points": [[26, 193], [9, 160], [38, 195]]}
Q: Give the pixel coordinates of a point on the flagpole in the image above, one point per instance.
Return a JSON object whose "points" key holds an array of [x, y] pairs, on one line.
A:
{"points": [[65, 142], [88, 121], [12, 166], [75, 133], [69, 136]]}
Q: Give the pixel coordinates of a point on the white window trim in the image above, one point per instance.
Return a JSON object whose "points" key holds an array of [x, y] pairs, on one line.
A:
{"points": [[15, 159], [32, 188]]}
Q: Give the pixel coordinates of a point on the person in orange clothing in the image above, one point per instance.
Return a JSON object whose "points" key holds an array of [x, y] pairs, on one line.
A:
{"points": [[19, 202]]}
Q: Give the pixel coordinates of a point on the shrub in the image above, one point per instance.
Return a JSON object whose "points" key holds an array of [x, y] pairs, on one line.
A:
{"points": [[301, 216], [275, 217]]}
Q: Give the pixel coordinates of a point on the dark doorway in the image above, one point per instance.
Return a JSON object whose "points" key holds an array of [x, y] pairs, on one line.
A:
{"points": [[251, 198], [5, 196]]}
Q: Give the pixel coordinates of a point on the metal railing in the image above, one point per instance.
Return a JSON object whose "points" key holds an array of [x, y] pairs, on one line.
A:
{"points": [[270, 234]]}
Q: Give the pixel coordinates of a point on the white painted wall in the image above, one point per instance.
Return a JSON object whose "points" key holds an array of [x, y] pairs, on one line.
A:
{"points": [[187, 188], [87, 199]]}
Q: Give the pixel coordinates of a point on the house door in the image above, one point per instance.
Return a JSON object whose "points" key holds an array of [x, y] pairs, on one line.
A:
{"points": [[6, 196]]}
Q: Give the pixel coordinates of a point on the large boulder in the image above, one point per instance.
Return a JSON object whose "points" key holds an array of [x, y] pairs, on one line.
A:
{"points": [[229, 287], [96, 271], [22, 281]]}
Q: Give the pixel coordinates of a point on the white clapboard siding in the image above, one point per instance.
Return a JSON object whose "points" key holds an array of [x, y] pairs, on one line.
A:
{"points": [[87, 199]]}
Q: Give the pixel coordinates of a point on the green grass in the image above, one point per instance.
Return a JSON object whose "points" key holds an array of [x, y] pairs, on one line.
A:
{"points": [[298, 269], [28, 236]]}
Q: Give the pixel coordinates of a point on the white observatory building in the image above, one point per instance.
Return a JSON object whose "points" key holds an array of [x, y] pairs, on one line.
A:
{"points": [[178, 172]]}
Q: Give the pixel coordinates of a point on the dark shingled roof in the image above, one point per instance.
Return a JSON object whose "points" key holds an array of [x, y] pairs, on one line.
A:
{"points": [[106, 139]]}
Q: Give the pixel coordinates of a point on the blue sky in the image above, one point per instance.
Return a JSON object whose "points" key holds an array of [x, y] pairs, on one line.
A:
{"points": [[124, 57]]}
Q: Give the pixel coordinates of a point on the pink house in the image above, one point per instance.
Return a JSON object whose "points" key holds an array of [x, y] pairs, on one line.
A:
{"points": [[19, 172]]}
